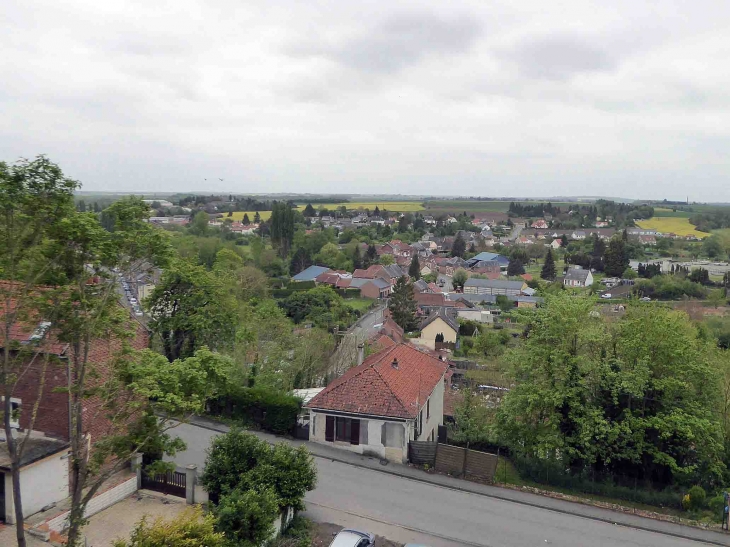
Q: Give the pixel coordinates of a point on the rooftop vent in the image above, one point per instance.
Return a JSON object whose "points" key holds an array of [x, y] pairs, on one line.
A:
{"points": [[394, 364]]}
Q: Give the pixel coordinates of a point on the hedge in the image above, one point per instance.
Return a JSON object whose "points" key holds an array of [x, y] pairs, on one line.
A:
{"points": [[553, 474], [268, 409]]}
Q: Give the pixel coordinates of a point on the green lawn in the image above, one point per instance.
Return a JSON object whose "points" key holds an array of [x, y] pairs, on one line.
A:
{"points": [[360, 304]]}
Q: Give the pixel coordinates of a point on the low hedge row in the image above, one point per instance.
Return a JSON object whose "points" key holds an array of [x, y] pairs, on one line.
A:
{"points": [[270, 410]]}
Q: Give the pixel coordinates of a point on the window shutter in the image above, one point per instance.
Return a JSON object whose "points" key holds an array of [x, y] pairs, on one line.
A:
{"points": [[355, 432], [329, 430], [383, 435]]}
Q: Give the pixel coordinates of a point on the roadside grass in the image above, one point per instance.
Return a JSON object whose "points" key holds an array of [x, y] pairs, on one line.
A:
{"points": [[679, 226]]}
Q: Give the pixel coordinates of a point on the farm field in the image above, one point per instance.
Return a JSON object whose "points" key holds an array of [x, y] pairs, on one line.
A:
{"points": [[238, 215], [679, 226], [661, 212], [474, 206], [399, 206]]}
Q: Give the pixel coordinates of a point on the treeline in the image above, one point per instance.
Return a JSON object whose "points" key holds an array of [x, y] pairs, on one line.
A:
{"points": [[635, 401], [713, 220]]}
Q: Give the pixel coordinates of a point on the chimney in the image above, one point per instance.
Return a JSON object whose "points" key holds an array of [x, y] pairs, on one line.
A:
{"points": [[360, 353], [394, 364]]}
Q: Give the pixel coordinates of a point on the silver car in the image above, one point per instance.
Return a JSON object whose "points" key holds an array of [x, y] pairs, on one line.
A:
{"points": [[353, 538]]}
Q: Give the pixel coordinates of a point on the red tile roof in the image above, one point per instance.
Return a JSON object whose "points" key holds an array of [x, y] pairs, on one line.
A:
{"points": [[378, 388], [430, 299]]}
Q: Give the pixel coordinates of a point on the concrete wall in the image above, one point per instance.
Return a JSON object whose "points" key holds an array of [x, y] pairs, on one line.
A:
{"points": [[437, 326], [41, 483], [481, 316], [98, 503]]}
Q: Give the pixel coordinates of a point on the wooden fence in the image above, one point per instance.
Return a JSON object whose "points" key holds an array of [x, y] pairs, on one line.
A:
{"points": [[454, 460]]}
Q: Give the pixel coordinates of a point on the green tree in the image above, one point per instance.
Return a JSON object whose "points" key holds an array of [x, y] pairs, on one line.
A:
{"points": [[190, 308], [616, 258], [459, 278], [548, 269], [712, 246], [356, 256], [246, 221], [246, 517], [309, 211], [414, 270], [300, 261], [563, 241], [256, 218], [282, 227], [199, 224], [629, 273], [81, 206], [471, 419], [459, 246], [386, 260], [331, 256], [515, 268], [622, 397], [191, 527], [402, 304]]}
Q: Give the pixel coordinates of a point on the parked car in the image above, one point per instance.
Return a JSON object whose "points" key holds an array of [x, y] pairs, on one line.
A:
{"points": [[646, 299], [606, 295], [353, 538]]}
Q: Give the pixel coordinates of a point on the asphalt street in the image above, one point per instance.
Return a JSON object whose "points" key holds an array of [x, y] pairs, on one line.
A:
{"points": [[406, 510]]}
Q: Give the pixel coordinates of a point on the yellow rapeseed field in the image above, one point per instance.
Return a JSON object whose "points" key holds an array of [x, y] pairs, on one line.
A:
{"points": [[679, 226], [238, 215]]}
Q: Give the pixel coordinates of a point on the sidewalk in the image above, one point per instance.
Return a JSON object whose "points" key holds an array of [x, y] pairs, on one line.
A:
{"points": [[506, 494]]}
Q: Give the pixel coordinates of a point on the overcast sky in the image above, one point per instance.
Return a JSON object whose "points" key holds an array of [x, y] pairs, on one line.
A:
{"points": [[493, 98]]}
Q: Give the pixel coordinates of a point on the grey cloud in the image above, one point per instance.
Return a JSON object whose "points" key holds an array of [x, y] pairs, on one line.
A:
{"points": [[398, 42], [558, 57]]}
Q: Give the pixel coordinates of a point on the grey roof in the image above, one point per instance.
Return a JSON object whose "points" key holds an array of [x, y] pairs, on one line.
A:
{"points": [[577, 274], [379, 282], [473, 298], [441, 312], [310, 273], [394, 270], [421, 285], [494, 283], [358, 282], [532, 299], [36, 448]]}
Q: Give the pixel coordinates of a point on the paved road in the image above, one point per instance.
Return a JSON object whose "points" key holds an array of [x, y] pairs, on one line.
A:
{"points": [[406, 510], [515, 233], [448, 286], [369, 323]]}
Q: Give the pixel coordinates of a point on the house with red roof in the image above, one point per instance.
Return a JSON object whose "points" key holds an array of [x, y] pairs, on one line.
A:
{"points": [[395, 396]]}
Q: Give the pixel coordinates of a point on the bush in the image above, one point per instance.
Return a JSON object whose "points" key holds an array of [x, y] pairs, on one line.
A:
{"points": [[242, 461], [247, 517], [190, 527], [697, 496], [298, 534], [717, 506], [268, 409]]}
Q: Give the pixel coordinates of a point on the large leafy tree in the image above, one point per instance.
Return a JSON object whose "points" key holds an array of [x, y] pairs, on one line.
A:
{"points": [[191, 308], [616, 258], [635, 397], [282, 227], [402, 304], [459, 278], [515, 267]]}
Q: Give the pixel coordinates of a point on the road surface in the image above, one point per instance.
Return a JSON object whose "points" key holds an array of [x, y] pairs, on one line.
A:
{"points": [[406, 510]]}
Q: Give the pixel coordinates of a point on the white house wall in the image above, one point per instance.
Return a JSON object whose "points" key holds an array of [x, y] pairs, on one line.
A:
{"points": [[41, 483]]}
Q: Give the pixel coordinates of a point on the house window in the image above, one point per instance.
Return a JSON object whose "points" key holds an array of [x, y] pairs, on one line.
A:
{"points": [[420, 423], [314, 425], [428, 409], [343, 430], [14, 411]]}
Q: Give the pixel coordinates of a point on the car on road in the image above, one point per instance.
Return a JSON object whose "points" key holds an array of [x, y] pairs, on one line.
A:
{"points": [[646, 299], [606, 295], [353, 538]]}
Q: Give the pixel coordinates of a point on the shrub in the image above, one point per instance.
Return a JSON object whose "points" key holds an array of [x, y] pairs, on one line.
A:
{"points": [[190, 527], [247, 517], [268, 409], [697, 496], [717, 506], [686, 502]]}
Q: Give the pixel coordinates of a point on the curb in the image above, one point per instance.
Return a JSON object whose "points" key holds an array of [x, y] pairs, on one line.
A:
{"points": [[424, 480]]}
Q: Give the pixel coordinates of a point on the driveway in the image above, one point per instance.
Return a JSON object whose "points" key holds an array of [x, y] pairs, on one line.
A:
{"points": [[407, 510]]}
